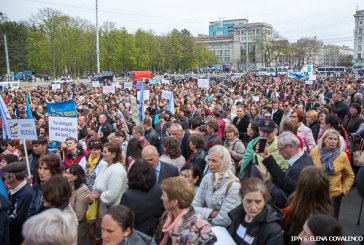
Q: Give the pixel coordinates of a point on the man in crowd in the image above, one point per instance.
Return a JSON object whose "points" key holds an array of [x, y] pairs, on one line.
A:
{"points": [[150, 134], [338, 106], [104, 129], [287, 113], [138, 133], [82, 127], [183, 137]]}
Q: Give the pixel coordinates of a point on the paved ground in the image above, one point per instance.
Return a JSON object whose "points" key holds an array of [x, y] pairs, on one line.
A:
{"points": [[349, 213]]}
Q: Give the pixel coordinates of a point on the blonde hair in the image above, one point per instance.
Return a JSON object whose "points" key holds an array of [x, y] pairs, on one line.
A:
{"points": [[321, 142], [312, 114]]}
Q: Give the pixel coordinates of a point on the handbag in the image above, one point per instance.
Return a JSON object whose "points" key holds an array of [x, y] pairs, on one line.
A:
{"points": [[358, 155], [93, 217], [93, 212]]}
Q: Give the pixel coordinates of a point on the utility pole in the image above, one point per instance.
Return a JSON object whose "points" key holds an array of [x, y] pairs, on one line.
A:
{"points": [[7, 57], [97, 39]]}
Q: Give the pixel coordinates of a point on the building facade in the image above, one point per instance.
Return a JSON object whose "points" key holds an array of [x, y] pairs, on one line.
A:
{"points": [[358, 57], [224, 27], [337, 55]]}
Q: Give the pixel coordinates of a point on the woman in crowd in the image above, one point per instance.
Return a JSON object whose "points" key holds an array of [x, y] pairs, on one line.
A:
{"points": [[192, 173], [111, 183], [172, 152], [118, 228], [335, 163], [133, 152], [43, 131], [234, 145], [92, 163], [56, 193], [47, 166], [312, 196], [255, 112], [245, 166], [291, 126], [353, 120], [123, 138], [312, 123], [259, 220], [79, 202], [143, 197], [241, 122], [13, 148], [332, 122], [321, 119], [321, 225], [198, 153], [73, 151], [218, 193], [277, 113], [303, 131], [180, 224]]}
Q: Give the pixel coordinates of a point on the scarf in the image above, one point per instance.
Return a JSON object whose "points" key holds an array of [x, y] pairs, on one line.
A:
{"points": [[327, 159], [171, 225], [91, 163]]}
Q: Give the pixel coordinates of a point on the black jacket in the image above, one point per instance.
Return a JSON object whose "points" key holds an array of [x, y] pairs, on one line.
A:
{"points": [[265, 228], [147, 207], [242, 126], [277, 116], [285, 182], [4, 220], [153, 138], [352, 123], [167, 171], [185, 145], [161, 131], [315, 128], [82, 133], [106, 129], [20, 202], [341, 109], [198, 158]]}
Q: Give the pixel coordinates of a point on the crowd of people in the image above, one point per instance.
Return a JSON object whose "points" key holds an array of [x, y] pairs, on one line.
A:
{"points": [[267, 160]]}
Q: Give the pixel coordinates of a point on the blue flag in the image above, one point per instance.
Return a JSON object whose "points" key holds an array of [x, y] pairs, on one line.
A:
{"points": [[171, 104], [4, 116], [141, 103], [63, 109], [29, 110]]}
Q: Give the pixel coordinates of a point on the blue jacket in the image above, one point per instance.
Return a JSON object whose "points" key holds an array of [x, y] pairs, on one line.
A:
{"points": [[36, 205], [4, 221]]}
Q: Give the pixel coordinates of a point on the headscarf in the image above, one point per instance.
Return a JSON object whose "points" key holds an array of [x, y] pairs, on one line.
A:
{"points": [[225, 168]]}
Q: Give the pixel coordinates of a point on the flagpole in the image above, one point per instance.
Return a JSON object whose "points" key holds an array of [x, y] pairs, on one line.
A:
{"points": [[26, 157]]}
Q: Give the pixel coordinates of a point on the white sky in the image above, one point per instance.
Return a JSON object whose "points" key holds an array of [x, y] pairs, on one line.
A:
{"points": [[330, 20]]}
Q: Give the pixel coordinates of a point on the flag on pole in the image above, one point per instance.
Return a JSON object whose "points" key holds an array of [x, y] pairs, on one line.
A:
{"points": [[29, 110], [4, 116], [141, 103], [171, 104]]}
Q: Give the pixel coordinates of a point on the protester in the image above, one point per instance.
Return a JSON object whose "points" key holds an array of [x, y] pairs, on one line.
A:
{"points": [[192, 173], [180, 224], [234, 145], [172, 153], [303, 131], [73, 152], [133, 152]]}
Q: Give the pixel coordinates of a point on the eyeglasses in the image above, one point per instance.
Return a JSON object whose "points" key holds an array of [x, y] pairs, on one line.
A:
{"points": [[285, 105], [280, 149]]}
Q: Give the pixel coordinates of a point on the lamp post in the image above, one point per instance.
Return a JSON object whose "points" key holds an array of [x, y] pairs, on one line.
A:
{"points": [[97, 39]]}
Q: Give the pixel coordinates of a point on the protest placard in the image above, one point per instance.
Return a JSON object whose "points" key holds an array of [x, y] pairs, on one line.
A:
{"points": [[108, 89], [164, 81], [27, 87], [135, 109], [64, 109], [203, 83], [95, 84], [166, 94], [60, 128], [128, 85], [56, 86], [311, 77], [23, 129], [146, 95]]}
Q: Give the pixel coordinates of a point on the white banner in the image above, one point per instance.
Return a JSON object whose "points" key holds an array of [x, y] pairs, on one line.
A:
{"points": [[108, 89], [255, 98], [311, 77], [56, 86], [203, 83], [166, 94], [165, 81], [60, 128], [95, 84], [146, 95], [128, 85], [309, 82], [23, 129], [26, 87]]}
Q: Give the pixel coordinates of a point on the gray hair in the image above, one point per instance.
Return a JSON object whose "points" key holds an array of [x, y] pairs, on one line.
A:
{"points": [[288, 138], [179, 127], [49, 227], [358, 96]]}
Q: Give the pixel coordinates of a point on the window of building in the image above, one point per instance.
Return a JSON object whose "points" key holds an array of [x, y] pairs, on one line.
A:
{"points": [[226, 52], [359, 56], [359, 47], [360, 30], [227, 59], [258, 31], [360, 39]]}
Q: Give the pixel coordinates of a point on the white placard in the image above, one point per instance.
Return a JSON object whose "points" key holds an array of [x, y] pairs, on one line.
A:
{"points": [[166, 94], [108, 89], [146, 95], [115, 84], [309, 82], [165, 81], [256, 98], [27, 87], [56, 86], [223, 236], [60, 128], [23, 129], [203, 83], [128, 85], [95, 84], [311, 77]]}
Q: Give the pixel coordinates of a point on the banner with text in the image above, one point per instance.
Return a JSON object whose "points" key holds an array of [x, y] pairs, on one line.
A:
{"points": [[63, 109], [128, 85], [135, 109], [23, 129], [146, 95], [166, 94], [60, 128], [108, 89], [203, 83], [56, 86], [95, 84]]}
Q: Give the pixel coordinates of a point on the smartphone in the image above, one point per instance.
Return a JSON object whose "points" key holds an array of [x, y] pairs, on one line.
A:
{"points": [[262, 144]]}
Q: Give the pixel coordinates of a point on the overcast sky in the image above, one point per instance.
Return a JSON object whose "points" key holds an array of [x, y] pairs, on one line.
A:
{"points": [[330, 20]]}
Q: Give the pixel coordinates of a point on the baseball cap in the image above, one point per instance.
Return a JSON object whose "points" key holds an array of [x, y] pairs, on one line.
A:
{"points": [[267, 124]]}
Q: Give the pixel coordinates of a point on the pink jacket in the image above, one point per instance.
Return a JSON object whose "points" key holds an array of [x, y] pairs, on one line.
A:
{"points": [[307, 137]]}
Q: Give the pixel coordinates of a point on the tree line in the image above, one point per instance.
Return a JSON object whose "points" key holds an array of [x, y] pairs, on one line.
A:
{"points": [[56, 44]]}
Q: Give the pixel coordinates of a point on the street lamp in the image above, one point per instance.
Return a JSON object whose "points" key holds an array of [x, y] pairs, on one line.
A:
{"points": [[97, 40]]}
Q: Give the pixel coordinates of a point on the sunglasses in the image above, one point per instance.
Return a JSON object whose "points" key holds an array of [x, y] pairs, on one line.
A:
{"points": [[285, 105]]}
